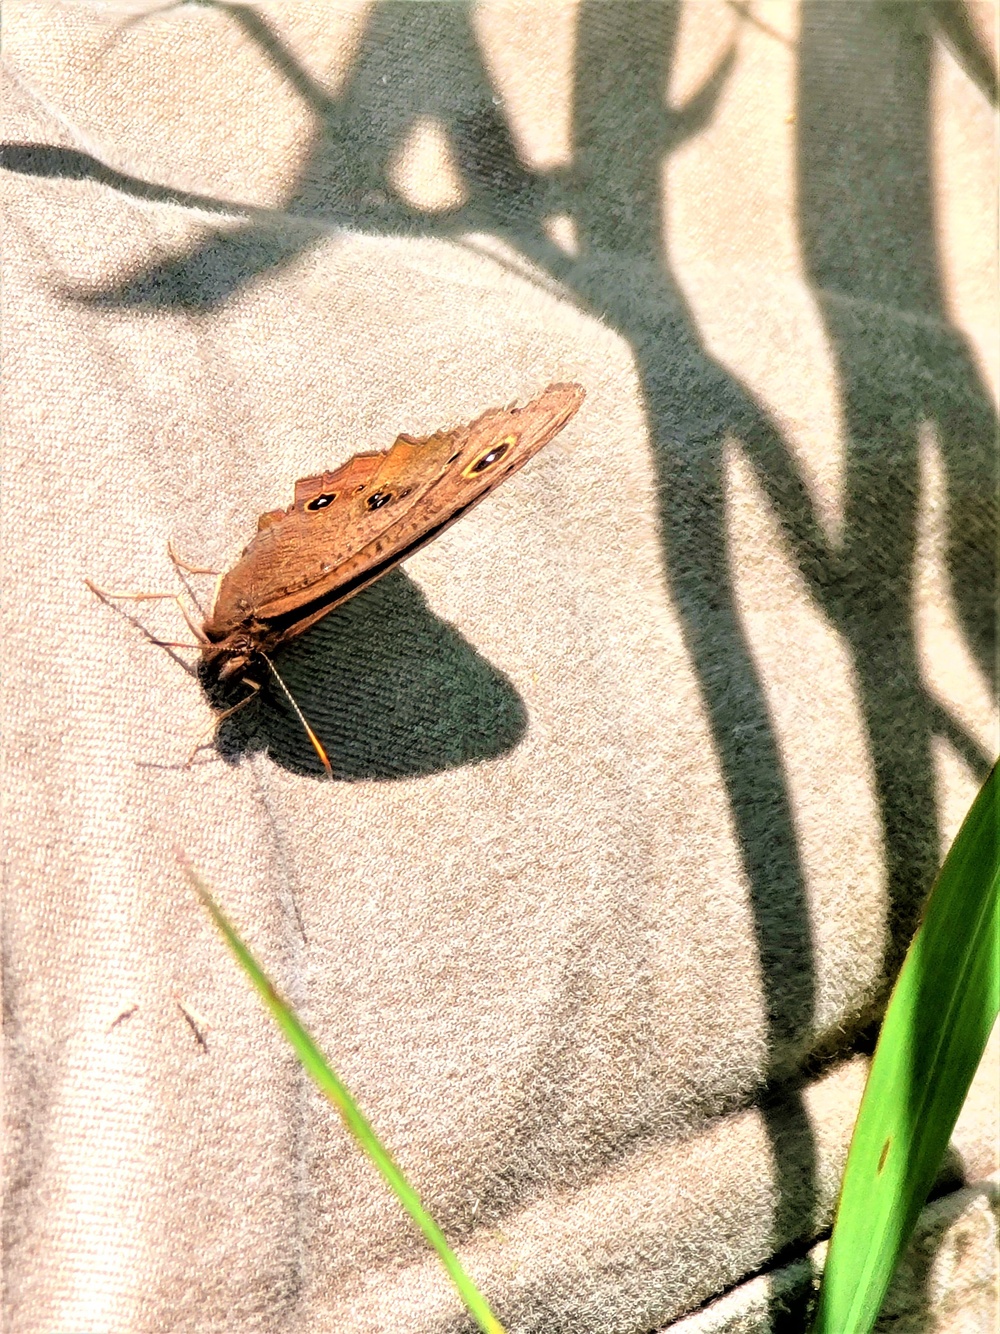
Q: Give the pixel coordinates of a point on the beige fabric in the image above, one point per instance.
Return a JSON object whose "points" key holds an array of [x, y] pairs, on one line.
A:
{"points": [[945, 1284], [651, 759]]}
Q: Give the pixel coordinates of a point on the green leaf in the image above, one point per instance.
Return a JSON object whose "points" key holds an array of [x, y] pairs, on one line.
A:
{"points": [[939, 1017], [316, 1065]]}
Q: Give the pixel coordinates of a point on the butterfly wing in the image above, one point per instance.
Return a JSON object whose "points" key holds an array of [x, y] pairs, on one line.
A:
{"points": [[349, 527]]}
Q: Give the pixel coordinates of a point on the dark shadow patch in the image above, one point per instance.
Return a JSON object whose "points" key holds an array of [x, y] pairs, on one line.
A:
{"points": [[390, 690], [53, 162], [206, 277], [870, 247]]}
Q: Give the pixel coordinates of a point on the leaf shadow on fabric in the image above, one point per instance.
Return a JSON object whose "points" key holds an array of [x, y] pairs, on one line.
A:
{"points": [[391, 691]]}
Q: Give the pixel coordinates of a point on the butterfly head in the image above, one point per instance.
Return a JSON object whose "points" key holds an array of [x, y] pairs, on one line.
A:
{"points": [[231, 656]]}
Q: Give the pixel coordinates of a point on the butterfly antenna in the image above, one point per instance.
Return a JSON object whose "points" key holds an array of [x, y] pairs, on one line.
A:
{"points": [[317, 744]]}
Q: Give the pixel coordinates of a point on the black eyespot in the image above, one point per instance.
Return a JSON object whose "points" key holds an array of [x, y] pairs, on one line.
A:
{"points": [[321, 502], [405, 492], [455, 456], [488, 459], [380, 498]]}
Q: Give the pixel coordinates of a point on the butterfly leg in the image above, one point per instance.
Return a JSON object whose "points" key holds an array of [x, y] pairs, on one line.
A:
{"points": [[111, 597], [186, 565], [221, 718], [185, 568]]}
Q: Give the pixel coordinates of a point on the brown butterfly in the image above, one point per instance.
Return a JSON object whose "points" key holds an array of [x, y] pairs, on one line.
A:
{"points": [[347, 528]]}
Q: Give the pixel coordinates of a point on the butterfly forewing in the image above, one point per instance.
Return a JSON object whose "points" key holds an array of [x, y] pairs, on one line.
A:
{"points": [[479, 457], [348, 527]]}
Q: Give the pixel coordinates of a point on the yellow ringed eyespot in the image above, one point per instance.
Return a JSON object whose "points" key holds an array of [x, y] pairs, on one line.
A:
{"points": [[490, 457]]}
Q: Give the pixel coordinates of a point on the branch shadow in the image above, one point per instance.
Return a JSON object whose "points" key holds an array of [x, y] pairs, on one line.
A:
{"points": [[870, 249]]}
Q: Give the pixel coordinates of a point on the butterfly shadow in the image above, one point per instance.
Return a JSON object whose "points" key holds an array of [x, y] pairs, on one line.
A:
{"points": [[391, 691]]}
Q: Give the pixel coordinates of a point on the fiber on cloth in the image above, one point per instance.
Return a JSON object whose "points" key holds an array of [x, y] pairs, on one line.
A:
{"points": [[643, 769]]}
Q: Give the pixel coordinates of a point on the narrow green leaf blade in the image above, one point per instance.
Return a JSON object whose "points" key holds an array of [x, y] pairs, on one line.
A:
{"points": [[939, 1017], [316, 1065]]}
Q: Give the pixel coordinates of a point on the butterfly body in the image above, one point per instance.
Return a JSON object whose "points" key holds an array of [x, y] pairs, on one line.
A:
{"points": [[347, 528]]}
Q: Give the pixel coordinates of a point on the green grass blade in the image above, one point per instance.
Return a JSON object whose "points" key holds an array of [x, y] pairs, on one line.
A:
{"points": [[317, 1066], [939, 1017]]}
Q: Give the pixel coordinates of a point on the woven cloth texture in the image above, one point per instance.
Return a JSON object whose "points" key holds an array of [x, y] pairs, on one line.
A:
{"points": [[642, 771]]}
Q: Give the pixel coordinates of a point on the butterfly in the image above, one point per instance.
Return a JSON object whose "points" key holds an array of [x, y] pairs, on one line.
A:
{"points": [[347, 528]]}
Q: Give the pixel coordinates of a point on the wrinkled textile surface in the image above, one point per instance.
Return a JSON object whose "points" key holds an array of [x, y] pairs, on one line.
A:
{"points": [[643, 770]]}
